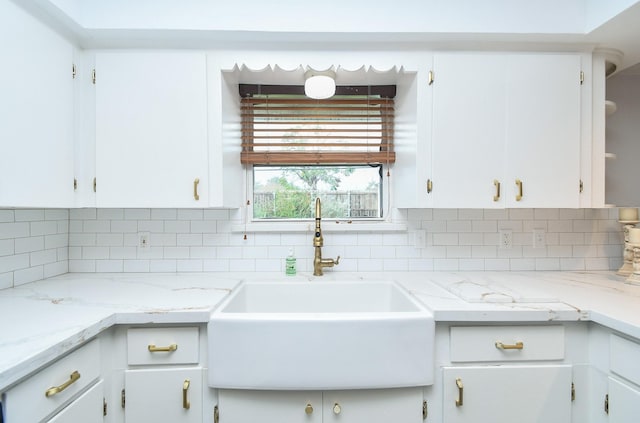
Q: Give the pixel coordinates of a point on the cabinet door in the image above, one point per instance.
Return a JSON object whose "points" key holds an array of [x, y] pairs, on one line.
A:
{"points": [[468, 129], [624, 402], [504, 394], [151, 129], [88, 408], [543, 130], [36, 113], [242, 406], [163, 395], [373, 406]]}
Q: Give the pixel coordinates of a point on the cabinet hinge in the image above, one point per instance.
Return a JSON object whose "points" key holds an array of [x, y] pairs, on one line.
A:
{"points": [[581, 186], [93, 76], [104, 406], [216, 414], [581, 77], [606, 403], [573, 391], [431, 79], [123, 398], [425, 410], [73, 71]]}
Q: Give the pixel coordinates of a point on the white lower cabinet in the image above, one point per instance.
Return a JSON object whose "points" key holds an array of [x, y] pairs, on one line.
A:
{"points": [[501, 394], [163, 380], [401, 405], [88, 408], [163, 395], [48, 392], [623, 403]]}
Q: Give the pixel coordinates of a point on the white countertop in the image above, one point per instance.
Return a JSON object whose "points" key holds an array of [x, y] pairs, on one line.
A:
{"points": [[42, 320]]}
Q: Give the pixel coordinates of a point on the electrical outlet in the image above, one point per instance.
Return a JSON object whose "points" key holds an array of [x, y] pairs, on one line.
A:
{"points": [[143, 240], [505, 239], [420, 238], [539, 238]]}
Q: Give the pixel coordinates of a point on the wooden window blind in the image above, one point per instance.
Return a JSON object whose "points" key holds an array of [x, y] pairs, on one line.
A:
{"points": [[281, 126]]}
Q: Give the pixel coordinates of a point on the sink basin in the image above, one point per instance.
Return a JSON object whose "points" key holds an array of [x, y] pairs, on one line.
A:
{"points": [[320, 335]]}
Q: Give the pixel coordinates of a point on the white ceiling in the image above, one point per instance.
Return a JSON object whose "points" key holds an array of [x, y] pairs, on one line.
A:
{"points": [[343, 24]]}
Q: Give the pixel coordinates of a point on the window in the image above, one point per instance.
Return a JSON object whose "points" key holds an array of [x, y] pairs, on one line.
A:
{"points": [[300, 148]]}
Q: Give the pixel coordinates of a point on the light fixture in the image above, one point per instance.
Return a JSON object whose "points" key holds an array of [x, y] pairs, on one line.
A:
{"points": [[319, 84]]}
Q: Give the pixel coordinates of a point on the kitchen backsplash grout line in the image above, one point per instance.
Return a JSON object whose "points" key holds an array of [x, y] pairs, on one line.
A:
{"points": [[39, 243]]}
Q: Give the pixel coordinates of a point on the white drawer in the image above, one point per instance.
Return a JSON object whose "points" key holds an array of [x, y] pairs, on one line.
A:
{"points": [[506, 343], [624, 358], [27, 401], [149, 346]]}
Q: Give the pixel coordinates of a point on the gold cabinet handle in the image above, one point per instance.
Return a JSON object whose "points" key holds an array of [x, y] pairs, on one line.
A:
{"points": [[57, 389], [170, 348], [496, 183], [195, 189], [308, 409], [517, 346], [431, 79], [460, 392], [185, 394], [519, 185], [429, 186]]}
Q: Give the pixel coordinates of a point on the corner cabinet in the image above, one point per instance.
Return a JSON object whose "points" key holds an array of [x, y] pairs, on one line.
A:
{"points": [[36, 113], [502, 124], [163, 381], [67, 391], [151, 129]]}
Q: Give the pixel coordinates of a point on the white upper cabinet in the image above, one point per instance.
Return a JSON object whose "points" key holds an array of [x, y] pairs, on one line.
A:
{"points": [[36, 113], [505, 130], [543, 130], [151, 129], [469, 120]]}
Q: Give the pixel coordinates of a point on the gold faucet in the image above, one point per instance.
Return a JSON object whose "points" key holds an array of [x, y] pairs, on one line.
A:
{"points": [[318, 261]]}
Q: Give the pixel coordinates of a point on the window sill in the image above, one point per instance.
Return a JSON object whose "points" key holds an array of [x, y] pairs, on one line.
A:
{"points": [[327, 226]]}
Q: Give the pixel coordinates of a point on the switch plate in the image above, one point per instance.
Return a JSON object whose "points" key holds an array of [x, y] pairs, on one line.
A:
{"points": [[505, 239]]}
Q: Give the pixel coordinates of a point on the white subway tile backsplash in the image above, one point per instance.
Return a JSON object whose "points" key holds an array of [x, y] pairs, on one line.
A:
{"points": [[29, 215], [36, 243], [12, 230], [7, 216], [31, 274]]}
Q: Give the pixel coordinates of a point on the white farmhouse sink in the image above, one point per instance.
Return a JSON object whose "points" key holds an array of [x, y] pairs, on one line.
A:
{"points": [[320, 335]]}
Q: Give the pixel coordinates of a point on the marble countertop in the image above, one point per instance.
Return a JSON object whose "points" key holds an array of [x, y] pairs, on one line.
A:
{"points": [[42, 320]]}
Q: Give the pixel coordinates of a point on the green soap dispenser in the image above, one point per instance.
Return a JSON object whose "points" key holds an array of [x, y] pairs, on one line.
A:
{"points": [[290, 264]]}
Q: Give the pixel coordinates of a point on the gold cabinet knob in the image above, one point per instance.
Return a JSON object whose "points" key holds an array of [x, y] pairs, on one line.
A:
{"points": [[336, 408], [308, 409]]}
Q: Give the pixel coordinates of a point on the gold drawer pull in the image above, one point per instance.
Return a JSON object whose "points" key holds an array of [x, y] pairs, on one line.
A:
{"points": [[517, 346], [170, 348], [57, 389], [459, 401], [308, 409], [185, 394]]}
